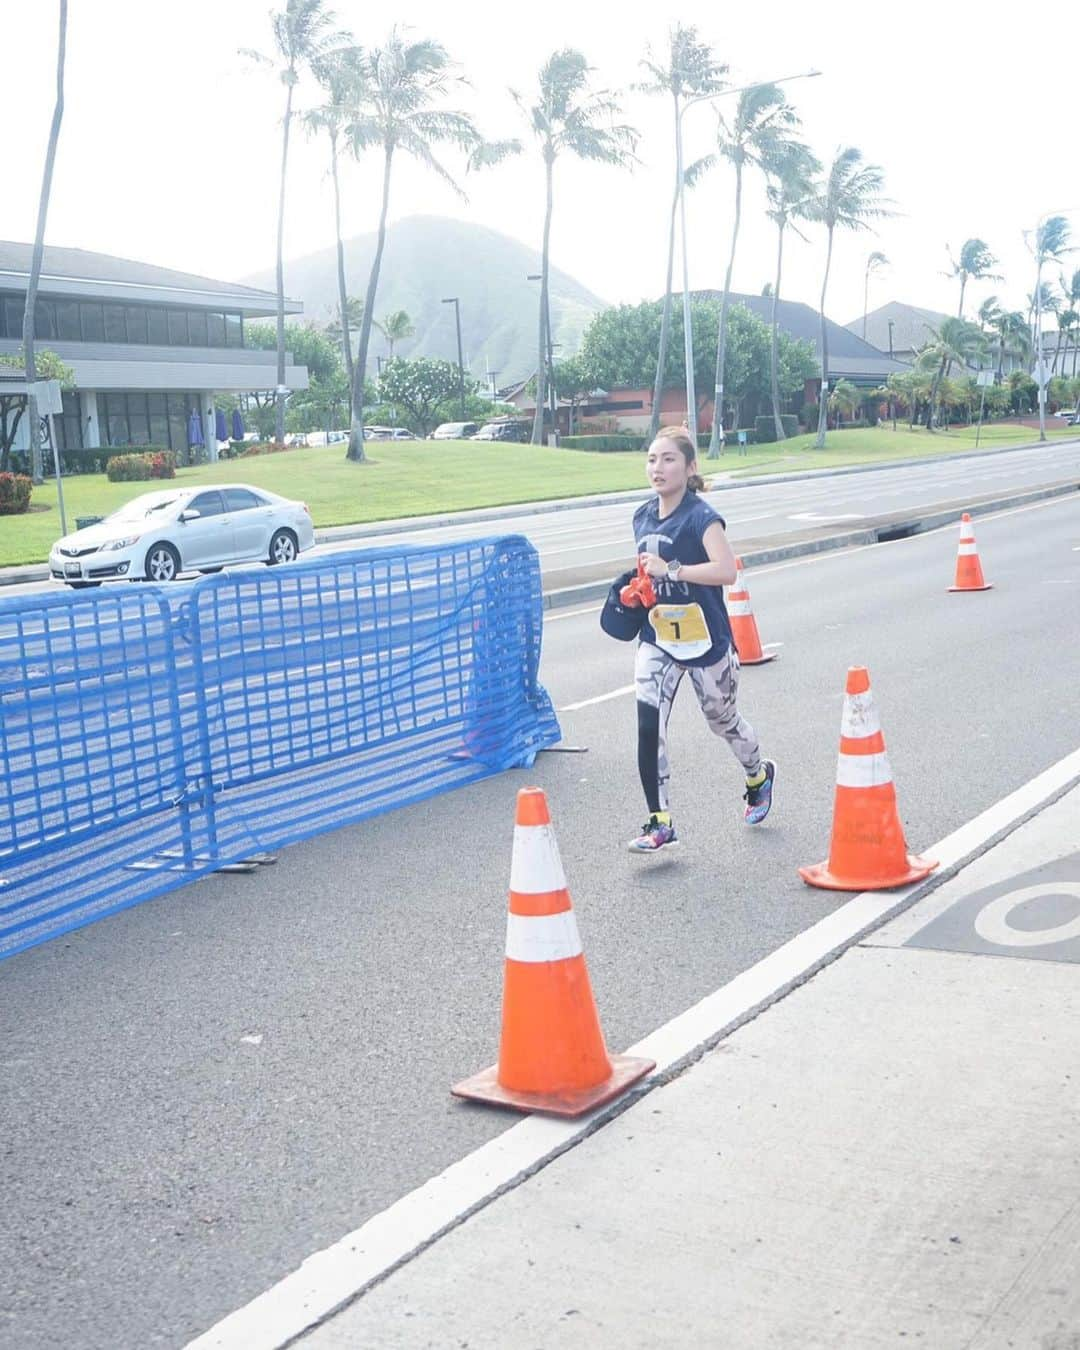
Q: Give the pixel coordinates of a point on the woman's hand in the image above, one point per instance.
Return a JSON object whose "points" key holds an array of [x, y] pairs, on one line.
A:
{"points": [[653, 564]]}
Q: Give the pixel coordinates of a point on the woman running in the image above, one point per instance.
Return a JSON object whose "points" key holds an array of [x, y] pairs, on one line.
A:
{"points": [[682, 545]]}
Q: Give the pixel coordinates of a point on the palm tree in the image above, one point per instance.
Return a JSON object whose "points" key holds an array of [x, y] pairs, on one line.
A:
{"points": [[396, 327], [1014, 337], [339, 73], [1071, 292], [754, 135], [974, 264], [955, 341], [874, 261], [568, 116], [844, 399], [36, 468], [304, 38], [849, 199], [339, 333], [690, 75], [1051, 244], [403, 84], [790, 189]]}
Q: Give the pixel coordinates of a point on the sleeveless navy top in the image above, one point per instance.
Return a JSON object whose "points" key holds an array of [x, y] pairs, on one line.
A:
{"points": [[689, 622]]}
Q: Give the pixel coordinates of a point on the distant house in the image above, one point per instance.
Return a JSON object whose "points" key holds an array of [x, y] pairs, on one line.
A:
{"points": [[629, 408], [901, 330]]}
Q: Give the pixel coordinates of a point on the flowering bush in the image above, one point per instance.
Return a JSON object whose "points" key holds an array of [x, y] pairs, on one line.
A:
{"points": [[15, 489], [265, 448], [162, 464], [134, 468]]}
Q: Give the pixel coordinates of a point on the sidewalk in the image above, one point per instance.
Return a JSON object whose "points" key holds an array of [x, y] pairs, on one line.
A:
{"points": [[889, 1155]]}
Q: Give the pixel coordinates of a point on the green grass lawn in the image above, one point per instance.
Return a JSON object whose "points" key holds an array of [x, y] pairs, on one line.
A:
{"points": [[426, 477]]}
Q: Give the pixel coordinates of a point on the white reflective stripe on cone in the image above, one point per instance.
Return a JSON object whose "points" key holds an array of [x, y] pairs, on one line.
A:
{"points": [[738, 608], [967, 546], [863, 770], [536, 866], [543, 937], [860, 716]]}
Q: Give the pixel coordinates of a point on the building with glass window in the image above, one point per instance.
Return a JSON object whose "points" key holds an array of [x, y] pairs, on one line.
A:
{"points": [[148, 346]]}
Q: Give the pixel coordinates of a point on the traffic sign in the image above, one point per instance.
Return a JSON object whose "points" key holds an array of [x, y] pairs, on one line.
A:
{"points": [[49, 399], [1041, 373]]}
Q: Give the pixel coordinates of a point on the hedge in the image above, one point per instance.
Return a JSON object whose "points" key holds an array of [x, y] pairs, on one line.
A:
{"points": [[15, 489], [95, 460], [765, 427], [603, 444], [138, 468]]}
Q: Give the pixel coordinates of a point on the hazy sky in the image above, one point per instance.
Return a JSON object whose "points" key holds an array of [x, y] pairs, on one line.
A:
{"points": [[171, 141]]}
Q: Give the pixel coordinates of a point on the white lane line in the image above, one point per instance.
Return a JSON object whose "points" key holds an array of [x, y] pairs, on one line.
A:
{"points": [[570, 613], [767, 645], [600, 698], [329, 1278]]}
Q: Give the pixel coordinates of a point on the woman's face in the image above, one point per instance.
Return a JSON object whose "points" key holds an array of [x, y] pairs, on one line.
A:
{"points": [[666, 467]]}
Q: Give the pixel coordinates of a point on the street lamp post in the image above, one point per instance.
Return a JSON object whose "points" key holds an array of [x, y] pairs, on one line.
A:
{"points": [[891, 321], [453, 300], [688, 337]]}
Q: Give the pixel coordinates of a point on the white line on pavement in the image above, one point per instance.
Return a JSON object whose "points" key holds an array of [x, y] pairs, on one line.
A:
{"points": [[336, 1275], [600, 698]]}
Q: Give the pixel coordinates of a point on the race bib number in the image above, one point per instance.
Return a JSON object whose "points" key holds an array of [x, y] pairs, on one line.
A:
{"points": [[681, 630]]}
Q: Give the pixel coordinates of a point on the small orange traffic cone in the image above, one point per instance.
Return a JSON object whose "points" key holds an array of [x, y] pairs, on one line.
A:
{"points": [[868, 851], [743, 625], [552, 1055], [969, 573]]}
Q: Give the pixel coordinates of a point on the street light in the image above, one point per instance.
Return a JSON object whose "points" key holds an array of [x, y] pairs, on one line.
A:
{"points": [[1040, 365], [453, 300], [688, 337], [494, 387], [550, 348], [891, 321]]}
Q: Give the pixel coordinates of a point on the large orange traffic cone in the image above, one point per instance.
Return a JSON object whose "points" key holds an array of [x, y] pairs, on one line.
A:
{"points": [[552, 1056], [743, 625], [868, 851], [969, 573]]}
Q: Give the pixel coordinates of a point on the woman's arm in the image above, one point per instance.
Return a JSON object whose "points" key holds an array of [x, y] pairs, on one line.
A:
{"points": [[720, 570]]}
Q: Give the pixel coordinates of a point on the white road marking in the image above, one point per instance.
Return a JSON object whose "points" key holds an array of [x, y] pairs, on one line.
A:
{"points": [[339, 1273], [811, 518], [600, 698], [992, 921]]}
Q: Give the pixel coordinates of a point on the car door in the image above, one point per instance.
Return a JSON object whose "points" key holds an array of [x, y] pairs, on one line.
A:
{"points": [[208, 539], [252, 520]]}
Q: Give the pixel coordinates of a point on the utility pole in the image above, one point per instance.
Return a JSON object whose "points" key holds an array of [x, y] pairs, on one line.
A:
{"points": [[453, 300]]}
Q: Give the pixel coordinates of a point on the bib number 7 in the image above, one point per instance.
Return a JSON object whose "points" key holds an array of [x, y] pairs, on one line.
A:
{"points": [[680, 630]]}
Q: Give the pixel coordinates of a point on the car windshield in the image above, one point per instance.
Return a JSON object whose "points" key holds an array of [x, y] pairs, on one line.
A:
{"points": [[149, 504]]}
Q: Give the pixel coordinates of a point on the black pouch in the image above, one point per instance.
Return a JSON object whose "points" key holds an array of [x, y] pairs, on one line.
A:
{"points": [[620, 621]]}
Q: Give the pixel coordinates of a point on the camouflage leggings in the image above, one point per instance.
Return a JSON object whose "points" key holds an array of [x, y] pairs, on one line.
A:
{"points": [[657, 677]]}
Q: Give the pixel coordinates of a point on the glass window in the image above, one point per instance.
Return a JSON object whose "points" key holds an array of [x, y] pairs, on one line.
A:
{"points": [[234, 330], [69, 425], [215, 325], [157, 327], [45, 318], [240, 499], [178, 334], [197, 328], [159, 430], [67, 321], [208, 504], [93, 322], [136, 323], [115, 327], [12, 319], [138, 422]]}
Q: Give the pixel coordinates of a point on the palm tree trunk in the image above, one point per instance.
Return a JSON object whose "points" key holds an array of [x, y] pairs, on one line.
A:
{"points": [[279, 397], [1057, 352], [343, 298], [39, 249], [721, 337], [963, 288], [823, 412], [545, 337], [938, 377], [774, 356], [355, 451], [665, 318]]}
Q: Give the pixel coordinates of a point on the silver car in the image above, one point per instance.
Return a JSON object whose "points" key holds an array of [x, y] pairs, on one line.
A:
{"points": [[157, 536]]}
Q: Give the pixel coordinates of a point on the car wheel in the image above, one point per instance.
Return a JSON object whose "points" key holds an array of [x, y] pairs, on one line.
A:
{"points": [[162, 563], [283, 547]]}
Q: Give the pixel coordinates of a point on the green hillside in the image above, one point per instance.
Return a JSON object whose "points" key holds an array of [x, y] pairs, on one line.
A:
{"points": [[428, 257]]}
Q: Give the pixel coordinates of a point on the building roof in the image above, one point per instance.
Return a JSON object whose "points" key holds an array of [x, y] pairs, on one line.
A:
{"points": [[849, 356], [78, 271], [912, 326]]}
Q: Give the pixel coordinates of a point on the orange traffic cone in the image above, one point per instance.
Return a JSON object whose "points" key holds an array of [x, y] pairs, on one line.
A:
{"points": [[868, 851], [552, 1056], [743, 625], [969, 573]]}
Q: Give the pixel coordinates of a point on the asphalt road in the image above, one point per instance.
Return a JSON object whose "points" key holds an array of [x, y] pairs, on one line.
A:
{"points": [[586, 542], [201, 1091]]}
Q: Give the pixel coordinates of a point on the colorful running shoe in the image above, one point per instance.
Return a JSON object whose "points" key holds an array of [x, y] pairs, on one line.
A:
{"points": [[759, 799], [654, 836]]}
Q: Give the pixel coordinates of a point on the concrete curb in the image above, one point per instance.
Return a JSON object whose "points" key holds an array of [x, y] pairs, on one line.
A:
{"points": [[882, 533]]}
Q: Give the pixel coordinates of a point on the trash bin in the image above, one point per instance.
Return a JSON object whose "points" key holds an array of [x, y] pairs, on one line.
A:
{"points": [[83, 522]]}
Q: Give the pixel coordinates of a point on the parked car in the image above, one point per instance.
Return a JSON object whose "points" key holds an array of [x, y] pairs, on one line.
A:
{"points": [[157, 536], [503, 431], [402, 434], [455, 431]]}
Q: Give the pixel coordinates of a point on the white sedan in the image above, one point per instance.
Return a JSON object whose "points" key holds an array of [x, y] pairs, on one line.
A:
{"points": [[157, 536]]}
